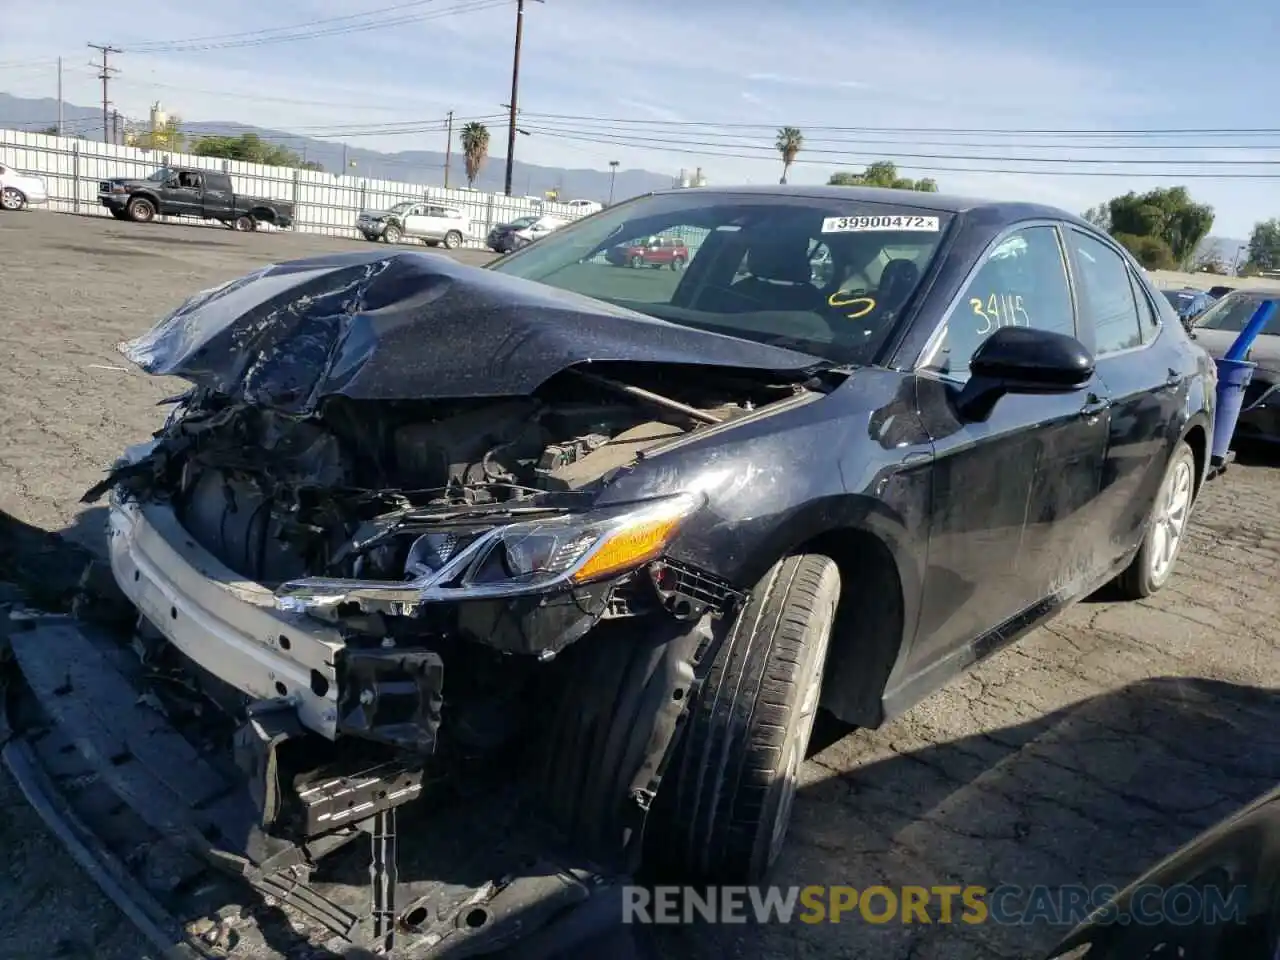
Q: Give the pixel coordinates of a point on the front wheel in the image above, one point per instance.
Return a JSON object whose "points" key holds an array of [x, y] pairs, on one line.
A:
{"points": [[12, 199], [141, 210], [722, 810], [637, 262], [246, 224], [1166, 529], [452, 240], [391, 234]]}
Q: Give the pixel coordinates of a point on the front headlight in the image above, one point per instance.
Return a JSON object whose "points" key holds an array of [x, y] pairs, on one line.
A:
{"points": [[513, 560], [579, 549]]}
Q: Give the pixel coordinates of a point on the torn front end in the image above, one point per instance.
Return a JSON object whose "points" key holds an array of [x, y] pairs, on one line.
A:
{"points": [[378, 533]]}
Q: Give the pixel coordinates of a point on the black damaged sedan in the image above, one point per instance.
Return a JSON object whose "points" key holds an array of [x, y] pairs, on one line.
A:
{"points": [[618, 536]]}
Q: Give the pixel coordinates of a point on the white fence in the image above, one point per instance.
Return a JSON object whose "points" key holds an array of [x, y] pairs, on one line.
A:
{"points": [[323, 202]]}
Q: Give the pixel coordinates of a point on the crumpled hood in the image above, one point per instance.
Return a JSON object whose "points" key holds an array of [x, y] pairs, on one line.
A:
{"points": [[405, 325], [375, 214]]}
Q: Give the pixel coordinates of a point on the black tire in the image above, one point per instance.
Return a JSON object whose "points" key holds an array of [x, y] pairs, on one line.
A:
{"points": [[723, 807], [391, 234], [141, 210], [245, 224], [12, 199], [637, 262], [452, 240], [677, 264], [117, 213], [1170, 513]]}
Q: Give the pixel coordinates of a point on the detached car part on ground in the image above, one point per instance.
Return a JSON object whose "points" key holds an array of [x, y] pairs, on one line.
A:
{"points": [[20, 190], [194, 193], [604, 541], [1217, 329]]}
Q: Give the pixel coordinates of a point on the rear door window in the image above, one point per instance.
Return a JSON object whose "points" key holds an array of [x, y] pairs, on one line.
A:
{"points": [[1107, 301]]}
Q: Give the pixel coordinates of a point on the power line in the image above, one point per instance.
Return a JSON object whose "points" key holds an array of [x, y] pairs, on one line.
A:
{"points": [[930, 169], [309, 31], [643, 132], [1010, 131], [663, 142]]}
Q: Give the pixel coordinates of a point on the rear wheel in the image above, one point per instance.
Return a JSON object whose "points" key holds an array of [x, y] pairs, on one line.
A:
{"points": [[12, 199], [141, 210], [1166, 529], [722, 811], [677, 263], [637, 262], [452, 240], [246, 224]]}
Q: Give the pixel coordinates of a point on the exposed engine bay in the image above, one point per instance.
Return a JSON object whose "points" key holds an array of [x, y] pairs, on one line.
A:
{"points": [[348, 492]]}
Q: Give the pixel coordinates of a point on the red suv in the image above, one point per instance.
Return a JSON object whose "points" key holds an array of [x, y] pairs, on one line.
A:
{"points": [[654, 252]]}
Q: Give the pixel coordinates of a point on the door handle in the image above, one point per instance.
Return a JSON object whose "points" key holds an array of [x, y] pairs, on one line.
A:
{"points": [[1094, 406]]}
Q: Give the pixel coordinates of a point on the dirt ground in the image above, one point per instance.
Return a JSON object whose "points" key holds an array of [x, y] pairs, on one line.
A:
{"points": [[1079, 756]]}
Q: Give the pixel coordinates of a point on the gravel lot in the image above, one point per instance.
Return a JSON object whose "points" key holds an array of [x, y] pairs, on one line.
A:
{"points": [[1083, 754]]}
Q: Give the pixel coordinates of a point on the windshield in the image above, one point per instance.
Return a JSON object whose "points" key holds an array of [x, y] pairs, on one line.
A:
{"points": [[830, 277], [402, 207], [522, 222], [161, 175], [1233, 311]]}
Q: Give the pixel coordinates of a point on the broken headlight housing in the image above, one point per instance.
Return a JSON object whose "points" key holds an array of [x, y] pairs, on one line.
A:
{"points": [[519, 558]]}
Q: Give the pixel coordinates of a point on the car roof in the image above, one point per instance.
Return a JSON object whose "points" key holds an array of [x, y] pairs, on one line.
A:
{"points": [[1001, 210]]}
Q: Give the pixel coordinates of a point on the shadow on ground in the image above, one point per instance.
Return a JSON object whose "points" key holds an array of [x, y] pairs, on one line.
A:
{"points": [[1092, 794]]}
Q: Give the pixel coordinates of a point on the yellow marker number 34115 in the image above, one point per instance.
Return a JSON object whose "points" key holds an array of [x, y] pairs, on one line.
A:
{"points": [[1000, 310]]}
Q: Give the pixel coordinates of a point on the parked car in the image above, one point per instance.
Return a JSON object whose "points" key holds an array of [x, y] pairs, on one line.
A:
{"points": [[651, 252], [518, 233], [1188, 302], [633, 535], [1215, 898], [20, 190], [188, 192], [584, 207], [1217, 329], [431, 222]]}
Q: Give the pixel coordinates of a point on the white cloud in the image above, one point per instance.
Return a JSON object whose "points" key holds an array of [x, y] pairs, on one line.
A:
{"points": [[676, 65]]}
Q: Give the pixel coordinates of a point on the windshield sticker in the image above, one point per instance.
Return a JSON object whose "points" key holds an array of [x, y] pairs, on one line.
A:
{"points": [[861, 305], [885, 223]]}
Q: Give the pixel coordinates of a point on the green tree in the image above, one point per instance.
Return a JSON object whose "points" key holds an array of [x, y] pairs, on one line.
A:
{"points": [[1152, 252], [789, 142], [475, 148], [1167, 214], [882, 173], [251, 148], [1264, 245]]}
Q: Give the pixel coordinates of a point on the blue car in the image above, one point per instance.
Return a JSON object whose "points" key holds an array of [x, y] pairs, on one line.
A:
{"points": [[1188, 302]]}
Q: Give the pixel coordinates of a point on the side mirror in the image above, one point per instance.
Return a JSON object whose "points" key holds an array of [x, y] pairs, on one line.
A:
{"points": [[1023, 360]]}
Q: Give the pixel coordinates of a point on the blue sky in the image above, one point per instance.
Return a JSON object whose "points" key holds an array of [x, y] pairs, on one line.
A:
{"points": [[665, 68]]}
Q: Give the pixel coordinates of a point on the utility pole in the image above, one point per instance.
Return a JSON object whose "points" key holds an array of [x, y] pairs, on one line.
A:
{"points": [[115, 127], [613, 172], [59, 96], [105, 72], [448, 150], [515, 94]]}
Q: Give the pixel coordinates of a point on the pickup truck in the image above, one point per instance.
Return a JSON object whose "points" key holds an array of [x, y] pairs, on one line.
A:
{"points": [[187, 192]]}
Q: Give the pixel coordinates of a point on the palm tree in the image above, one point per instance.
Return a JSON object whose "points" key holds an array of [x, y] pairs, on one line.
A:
{"points": [[475, 147], [789, 142]]}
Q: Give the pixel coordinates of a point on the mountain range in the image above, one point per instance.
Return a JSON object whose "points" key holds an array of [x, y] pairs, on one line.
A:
{"points": [[415, 166], [408, 166]]}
